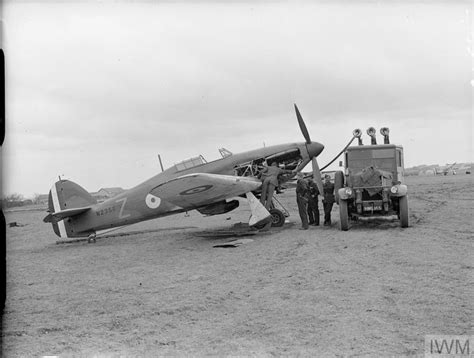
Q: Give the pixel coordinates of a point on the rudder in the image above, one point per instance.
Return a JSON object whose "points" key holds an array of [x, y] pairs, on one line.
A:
{"points": [[64, 195]]}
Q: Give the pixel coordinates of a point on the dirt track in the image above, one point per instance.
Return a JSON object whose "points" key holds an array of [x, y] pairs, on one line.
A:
{"points": [[375, 290]]}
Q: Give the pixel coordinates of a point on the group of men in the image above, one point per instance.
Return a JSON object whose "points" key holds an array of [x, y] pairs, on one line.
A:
{"points": [[307, 193]]}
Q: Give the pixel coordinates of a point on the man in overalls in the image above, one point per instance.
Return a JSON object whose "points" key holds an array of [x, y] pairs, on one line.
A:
{"points": [[328, 200], [302, 195]]}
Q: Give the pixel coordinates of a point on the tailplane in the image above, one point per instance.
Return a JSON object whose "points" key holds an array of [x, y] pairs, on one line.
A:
{"points": [[66, 200]]}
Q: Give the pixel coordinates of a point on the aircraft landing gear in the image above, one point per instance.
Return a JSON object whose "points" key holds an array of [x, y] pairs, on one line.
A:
{"points": [[278, 218], [91, 239]]}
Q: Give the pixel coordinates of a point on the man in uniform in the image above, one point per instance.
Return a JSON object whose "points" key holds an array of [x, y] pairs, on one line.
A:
{"points": [[313, 207], [269, 177], [302, 194], [328, 200]]}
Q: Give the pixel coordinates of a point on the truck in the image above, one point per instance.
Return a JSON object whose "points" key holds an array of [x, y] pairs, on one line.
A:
{"points": [[372, 184]]}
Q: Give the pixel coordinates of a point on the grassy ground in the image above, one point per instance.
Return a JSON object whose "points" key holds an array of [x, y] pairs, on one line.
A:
{"points": [[375, 290]]}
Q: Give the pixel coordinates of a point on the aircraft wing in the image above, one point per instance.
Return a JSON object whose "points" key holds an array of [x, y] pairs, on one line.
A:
{"points": [[199, 189]]}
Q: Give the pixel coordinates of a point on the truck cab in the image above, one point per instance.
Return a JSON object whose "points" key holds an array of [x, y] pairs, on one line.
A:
{"points": [[372, 183], [388, 157]]}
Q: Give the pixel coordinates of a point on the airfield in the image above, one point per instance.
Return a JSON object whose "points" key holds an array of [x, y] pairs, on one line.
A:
{"points": [[161, 287]]}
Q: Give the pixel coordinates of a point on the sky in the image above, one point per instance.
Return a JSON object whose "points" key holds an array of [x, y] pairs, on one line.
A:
{"points": [[95, 90]]}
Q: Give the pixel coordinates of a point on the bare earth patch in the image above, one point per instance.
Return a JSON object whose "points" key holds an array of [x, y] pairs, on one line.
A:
{"points": [[163, 289]]}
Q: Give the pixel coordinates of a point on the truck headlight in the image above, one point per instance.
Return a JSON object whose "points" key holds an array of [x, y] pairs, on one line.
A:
{"points": [[399, 190], [345, 193]]}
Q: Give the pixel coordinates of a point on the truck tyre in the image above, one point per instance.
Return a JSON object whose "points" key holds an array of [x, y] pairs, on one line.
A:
{"points": [[278, 218], [343, 216], [403, 208], [338, 184]]}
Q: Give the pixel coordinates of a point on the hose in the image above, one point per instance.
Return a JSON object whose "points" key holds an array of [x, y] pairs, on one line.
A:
{"points": [[337, 156]]}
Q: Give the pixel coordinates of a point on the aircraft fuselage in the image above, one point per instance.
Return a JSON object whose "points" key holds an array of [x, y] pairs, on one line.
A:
{"points": [[138, 204]]}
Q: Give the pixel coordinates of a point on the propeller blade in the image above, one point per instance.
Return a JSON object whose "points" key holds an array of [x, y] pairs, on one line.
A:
{"points": [[317, 176], [303, 128]]}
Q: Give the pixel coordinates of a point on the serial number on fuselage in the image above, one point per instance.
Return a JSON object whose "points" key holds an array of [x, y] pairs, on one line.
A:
{"points": [[105, 211]]}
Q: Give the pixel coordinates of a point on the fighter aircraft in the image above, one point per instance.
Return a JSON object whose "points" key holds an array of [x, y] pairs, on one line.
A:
{"points": [[188, 185], [448, 168]]}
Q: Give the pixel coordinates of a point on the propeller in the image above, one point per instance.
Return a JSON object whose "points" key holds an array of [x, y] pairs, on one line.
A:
{"points": [[317, 176], [303, 128], [313, 150]]}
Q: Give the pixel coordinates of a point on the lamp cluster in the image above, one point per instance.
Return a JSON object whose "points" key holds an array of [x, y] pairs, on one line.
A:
{"points": [[371, 131]]}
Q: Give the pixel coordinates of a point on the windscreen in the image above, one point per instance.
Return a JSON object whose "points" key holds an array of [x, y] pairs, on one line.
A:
{"points": [[379, 158]]}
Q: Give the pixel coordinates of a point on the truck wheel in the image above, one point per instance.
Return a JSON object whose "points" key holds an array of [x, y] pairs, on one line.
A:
{"points": [[278, 218], [343, 215], [338, 184], [403, 207]]}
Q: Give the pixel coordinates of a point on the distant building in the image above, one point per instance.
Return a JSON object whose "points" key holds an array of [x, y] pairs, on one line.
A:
{"points": [[42, 199], [465, 169], [107, 193], [15, 203], [435, 169]]}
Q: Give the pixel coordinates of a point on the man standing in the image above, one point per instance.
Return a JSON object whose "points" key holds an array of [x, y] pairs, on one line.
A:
{"points": [[269, 177], [313, 207], [328, 200], [302, 194]]}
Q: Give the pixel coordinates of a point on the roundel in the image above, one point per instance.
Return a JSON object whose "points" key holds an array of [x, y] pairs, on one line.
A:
{"points": [[198, 189], [152, 201]]}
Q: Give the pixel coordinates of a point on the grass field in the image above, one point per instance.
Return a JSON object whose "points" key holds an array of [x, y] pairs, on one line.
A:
{"points": [[375, 290]]}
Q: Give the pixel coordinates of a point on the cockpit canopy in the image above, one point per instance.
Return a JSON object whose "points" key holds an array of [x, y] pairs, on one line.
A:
{"points": [[196, 161], [190, 163]]}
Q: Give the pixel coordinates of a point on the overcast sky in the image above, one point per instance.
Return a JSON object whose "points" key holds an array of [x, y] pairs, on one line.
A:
{"points": [[95, 90]]}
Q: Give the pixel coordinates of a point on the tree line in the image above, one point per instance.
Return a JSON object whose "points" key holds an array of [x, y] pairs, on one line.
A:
{"points": [[15, 200]]}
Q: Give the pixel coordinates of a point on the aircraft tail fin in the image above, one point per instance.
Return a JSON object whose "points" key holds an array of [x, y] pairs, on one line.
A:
{"points": [[67, 199]]}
